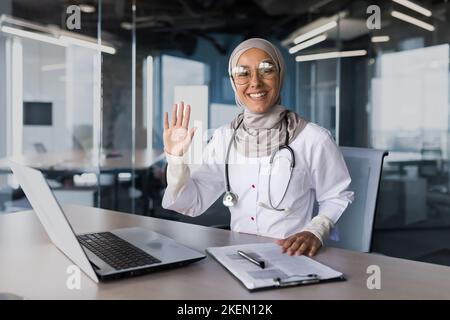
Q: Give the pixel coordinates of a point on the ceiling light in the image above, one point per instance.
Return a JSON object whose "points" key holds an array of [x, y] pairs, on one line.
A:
{"points": [[380, 39], [88, 44], [330, 55], [314, 28], [415, 7], [126, 25], [87, 8], [307, 44], [32, 35], [52, 35], [315, 32], [412, 20]]}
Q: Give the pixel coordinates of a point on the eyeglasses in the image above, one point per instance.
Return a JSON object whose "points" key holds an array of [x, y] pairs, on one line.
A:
{"points": [[243, 74]]}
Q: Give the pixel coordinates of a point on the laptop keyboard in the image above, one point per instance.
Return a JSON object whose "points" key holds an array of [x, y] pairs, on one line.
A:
{"points": [[115, 251]]}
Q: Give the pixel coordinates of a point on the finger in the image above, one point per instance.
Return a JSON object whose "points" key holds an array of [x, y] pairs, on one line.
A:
{"points": [[279, 241], [186, 117], [313, 250], [289, 241], [294, 247], [180, 114], [303, 248], [174, 114], [166, 121]]}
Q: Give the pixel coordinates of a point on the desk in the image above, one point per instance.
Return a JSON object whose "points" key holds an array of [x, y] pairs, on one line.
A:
{"points": [[78, 161], [88, 161], [32, 267], [413, 159]]}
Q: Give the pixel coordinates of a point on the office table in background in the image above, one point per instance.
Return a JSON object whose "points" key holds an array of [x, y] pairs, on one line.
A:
{"points": [[87, 161], [32, 267], [109, 162]]}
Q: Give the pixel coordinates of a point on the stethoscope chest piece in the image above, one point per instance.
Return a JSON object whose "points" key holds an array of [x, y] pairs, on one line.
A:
{"points": [[229, 199]]}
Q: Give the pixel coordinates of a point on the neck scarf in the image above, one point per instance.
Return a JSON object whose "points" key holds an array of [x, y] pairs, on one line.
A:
{"points": [[261, 134]]}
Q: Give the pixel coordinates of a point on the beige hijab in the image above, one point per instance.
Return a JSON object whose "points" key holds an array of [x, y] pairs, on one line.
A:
{"points": [[260, 134]]}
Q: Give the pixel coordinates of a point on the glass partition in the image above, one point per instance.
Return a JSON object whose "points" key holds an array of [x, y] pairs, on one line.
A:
{"points": [[409, 116], [388, 79], [90, 116], [51, 102]]}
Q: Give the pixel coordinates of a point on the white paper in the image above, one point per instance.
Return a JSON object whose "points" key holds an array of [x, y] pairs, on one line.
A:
{"points": [[277, 265]]}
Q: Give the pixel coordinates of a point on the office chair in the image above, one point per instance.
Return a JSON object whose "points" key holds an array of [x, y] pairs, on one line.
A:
{"points": [[354, 229]]}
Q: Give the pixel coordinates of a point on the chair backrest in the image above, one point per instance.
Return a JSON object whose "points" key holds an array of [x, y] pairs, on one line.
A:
{"points": [[353, 230]]}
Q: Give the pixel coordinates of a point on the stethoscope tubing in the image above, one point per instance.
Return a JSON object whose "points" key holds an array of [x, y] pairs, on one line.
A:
{"points": [[228, 191]]}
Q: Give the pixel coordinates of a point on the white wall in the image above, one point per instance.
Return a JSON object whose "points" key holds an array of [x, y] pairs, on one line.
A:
{"points": [[410, 99], [197, 98], [64, 77], [45, 86], [80, 94]]}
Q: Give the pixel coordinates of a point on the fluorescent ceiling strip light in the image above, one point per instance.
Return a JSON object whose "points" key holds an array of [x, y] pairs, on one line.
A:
{"points": [[412, 20], [32, 35], [380, 39], [88, 44], [308, 43], [58, 38], [87, 8], [415, 7], [22, 23], [330, 55], [315, 32]]}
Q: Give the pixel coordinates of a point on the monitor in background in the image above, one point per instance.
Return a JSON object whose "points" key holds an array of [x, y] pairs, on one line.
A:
{"points": [[37, 113]]}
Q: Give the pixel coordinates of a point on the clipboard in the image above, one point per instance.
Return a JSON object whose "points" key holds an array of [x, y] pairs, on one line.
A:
{"points": [[280, 270]]}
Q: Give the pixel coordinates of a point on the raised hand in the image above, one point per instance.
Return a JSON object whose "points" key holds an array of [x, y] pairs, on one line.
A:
{"points": [[178, 137]]}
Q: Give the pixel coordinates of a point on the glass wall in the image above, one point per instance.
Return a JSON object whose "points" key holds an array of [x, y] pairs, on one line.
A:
{"points": [[90, 116], [408, 82], [67, 103], [395, 97], [50, 70]]}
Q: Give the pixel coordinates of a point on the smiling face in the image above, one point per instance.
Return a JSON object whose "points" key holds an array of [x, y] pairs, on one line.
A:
{"points": [[261, 91]]}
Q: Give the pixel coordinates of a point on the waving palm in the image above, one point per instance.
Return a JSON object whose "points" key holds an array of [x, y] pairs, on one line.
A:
{"points": [[178, 137]]}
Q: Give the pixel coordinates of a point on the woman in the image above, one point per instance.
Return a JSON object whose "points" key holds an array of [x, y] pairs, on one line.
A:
{"points": [[270, 189]]}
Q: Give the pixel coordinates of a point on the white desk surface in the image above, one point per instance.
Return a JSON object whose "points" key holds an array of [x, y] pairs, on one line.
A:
{"points": [[32, 267]]}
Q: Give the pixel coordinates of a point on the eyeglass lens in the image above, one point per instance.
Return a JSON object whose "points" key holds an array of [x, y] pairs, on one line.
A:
{"points": [[243, 74]]}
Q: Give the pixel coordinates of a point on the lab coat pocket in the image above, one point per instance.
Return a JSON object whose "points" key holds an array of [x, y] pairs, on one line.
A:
{"points": [[290, 190]]}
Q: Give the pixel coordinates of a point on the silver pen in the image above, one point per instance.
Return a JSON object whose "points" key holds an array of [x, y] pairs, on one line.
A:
{"points": [[259, 263]]}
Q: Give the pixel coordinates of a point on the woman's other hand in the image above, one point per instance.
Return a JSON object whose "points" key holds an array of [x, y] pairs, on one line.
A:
{"points": [[300, 243], [178, 137]]}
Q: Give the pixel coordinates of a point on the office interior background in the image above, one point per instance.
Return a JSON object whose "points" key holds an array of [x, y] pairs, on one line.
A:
{"points": [[90, 116]]}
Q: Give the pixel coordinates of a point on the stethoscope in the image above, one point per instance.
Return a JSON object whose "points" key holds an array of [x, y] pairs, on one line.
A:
{"points": [[230, 198]]}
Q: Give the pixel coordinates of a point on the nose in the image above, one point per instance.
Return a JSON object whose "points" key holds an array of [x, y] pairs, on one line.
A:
{"points": [[255, 80]]}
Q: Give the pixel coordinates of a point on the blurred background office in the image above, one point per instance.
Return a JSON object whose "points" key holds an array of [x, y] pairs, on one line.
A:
{"points": [[84, 84]]}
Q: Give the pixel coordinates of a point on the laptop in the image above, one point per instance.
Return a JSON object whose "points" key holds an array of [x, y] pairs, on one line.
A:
{"points": [[104, 255]]}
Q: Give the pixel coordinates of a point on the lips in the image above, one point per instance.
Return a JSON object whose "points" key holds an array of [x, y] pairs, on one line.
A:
{"points": [[257, 95]]}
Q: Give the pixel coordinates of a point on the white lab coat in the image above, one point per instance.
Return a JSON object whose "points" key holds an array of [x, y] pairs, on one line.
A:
{"points": [[320, 172]]}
